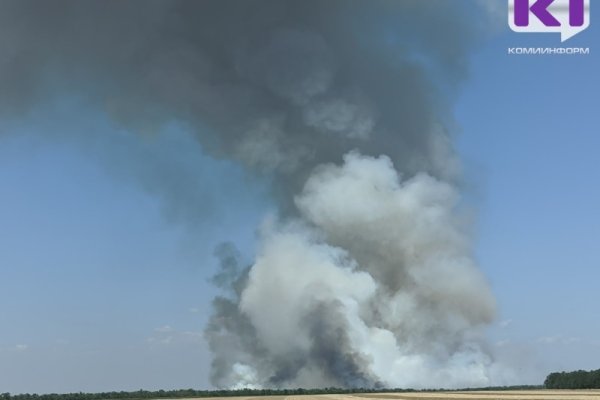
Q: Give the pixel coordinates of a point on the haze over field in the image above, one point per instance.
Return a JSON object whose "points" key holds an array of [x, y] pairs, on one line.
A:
{"points": [[364, 273]]}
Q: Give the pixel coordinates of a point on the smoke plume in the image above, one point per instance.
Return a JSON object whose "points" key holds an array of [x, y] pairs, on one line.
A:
{"points": [[365, 277]]}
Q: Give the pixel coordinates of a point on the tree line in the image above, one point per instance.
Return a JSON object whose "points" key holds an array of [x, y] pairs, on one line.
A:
{"points": [[573, 380], [187, 393]]}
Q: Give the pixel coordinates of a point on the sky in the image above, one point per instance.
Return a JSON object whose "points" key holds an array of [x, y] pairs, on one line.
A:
{"points": [[104, 285], [529, 142]]}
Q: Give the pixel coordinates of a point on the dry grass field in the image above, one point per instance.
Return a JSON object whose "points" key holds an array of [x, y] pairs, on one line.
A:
{"points": [[470, 395], [492, 395]]}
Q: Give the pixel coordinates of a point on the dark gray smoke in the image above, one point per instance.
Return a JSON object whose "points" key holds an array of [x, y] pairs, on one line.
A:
{"points": [[366, 279], [280, 86]]}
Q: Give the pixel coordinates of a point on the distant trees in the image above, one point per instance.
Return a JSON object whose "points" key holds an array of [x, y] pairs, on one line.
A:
{"points": [[573, 380], [183, 393], [189, 393]]}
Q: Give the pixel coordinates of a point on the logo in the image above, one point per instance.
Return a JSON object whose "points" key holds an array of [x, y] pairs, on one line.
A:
{"points": [[569, 17]]}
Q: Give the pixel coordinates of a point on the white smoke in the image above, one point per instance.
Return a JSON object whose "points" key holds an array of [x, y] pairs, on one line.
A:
{"points": [[385, 267]]}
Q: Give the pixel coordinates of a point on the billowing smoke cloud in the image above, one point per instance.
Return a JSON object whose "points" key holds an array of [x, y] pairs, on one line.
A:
{"points": [[365, 277], [373, 285]]}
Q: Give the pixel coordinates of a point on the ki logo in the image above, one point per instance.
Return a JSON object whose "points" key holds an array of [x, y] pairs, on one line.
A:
{"points": [[569, 17]]}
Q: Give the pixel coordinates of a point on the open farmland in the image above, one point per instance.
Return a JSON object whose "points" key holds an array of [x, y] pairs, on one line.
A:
{"points": [[489, 395], [468, 395]]}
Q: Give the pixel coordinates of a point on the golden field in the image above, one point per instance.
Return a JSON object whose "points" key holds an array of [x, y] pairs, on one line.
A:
{"points": [[470, 395]]}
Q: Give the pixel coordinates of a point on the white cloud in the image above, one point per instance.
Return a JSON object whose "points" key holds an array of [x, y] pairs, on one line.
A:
{"points": [[166, 335], [164, 329], [21, 347], [193, 335], [505, 323], [559, 339], [572, 340], [548, 339]]}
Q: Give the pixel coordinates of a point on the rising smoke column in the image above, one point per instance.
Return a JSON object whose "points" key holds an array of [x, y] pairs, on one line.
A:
{"points": [[372, 285], [365, 276]]}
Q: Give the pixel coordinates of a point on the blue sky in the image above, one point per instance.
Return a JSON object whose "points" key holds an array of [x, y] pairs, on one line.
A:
{"points": [[104, 285], [530, 145], [104, 282]]}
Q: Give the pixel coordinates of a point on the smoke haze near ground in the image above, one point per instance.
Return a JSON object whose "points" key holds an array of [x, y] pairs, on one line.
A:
{"points": [[365, 277]]}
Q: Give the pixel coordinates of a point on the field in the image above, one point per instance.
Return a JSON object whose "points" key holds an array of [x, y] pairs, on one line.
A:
{"points": [[470, 395]]}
